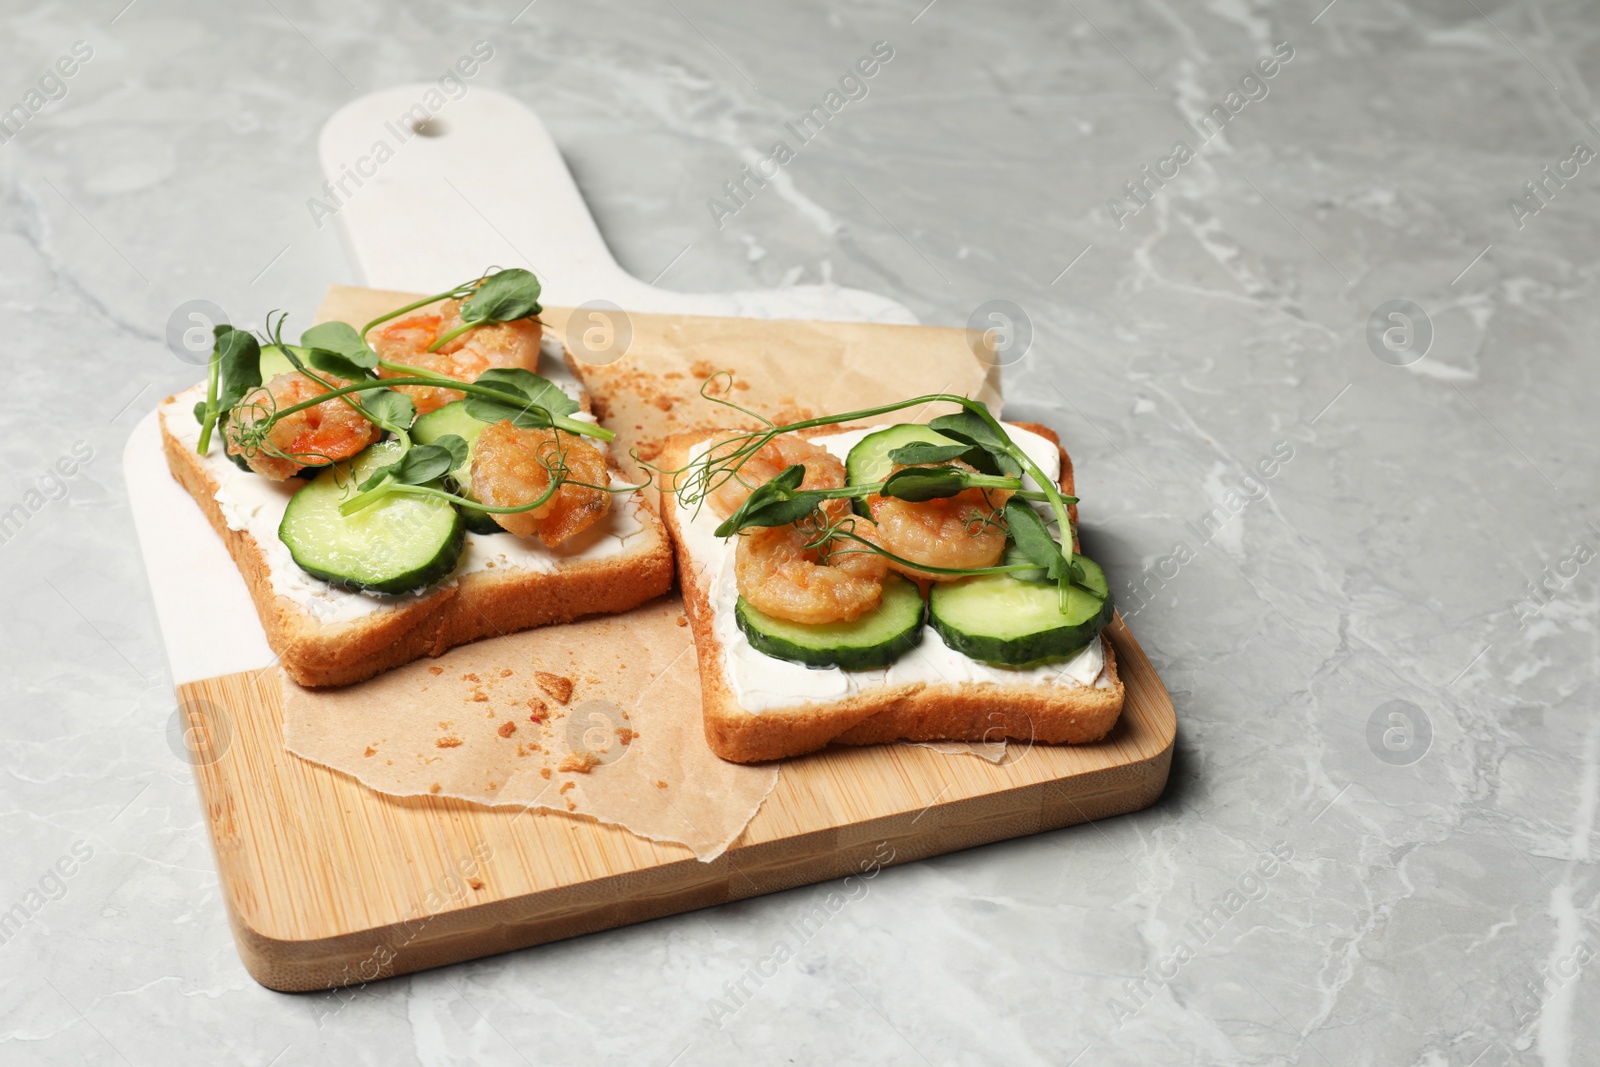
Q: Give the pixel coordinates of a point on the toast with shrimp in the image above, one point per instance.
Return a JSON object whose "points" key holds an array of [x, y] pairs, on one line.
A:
{"points": [[391, 501], [763, 698]]}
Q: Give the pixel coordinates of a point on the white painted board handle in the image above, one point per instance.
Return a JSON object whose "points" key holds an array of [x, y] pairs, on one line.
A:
{"points": [[484, 183]]}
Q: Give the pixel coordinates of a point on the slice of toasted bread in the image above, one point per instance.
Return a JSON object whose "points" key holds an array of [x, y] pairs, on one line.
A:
{"points": [[318, 650], [916, 711]]}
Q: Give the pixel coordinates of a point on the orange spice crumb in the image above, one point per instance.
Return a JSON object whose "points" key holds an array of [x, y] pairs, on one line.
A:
{"points": [[702, 368], [683, 620], [558, 686], [505, 672], [469, 677], [579, 763], [626, 735], [434, 788], [448, 741], [479, 696], [570, 805], [435, 670], [661, 785], [566, 786], [663, 402], [474, 883], [370, 751], [544, 772], [508, 728]]}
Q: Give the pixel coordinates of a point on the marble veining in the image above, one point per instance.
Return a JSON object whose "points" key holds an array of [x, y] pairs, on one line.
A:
{"points": [[1378, 844]]}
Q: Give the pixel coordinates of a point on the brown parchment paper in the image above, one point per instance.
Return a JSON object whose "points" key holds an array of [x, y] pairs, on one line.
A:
{"points": [[435, 726], [485, 722]]}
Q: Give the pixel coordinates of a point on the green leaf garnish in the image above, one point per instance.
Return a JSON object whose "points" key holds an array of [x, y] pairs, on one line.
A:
{"points": [[340, 338], [420, 465], [917, 484], [927, 452], [390, 409], [240, 354], [988, 453], [504, 296], [334, 363], [531, 402], [1033, 538], [776, 502]]}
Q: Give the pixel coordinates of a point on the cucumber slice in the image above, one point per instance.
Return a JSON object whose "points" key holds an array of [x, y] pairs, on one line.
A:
{"points": [[874, 640], [453, 418], [399, 544], [274, 362], [993, 618], [869, 462]]}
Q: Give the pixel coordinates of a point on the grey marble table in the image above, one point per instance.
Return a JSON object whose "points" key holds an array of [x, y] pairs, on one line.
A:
{"points": [[1322, 354]]}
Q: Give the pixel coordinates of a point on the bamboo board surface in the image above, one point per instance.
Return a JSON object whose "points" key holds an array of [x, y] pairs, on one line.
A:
{"points": [[328, 883]]}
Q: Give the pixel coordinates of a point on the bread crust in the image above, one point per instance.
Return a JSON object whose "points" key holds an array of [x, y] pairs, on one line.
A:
{"points": [[911, 712], [477, 605]]}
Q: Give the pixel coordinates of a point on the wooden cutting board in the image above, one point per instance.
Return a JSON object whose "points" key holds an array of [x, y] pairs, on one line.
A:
{"points": [[328, 883]]}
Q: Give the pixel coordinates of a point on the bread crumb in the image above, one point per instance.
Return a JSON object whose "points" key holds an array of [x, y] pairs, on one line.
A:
{"points": [[558, 686], [444, 724], [505, 672], [579, 763], [663, 402], [544, 772], [741, 384], [508, 728], [474, 883], [434, 788], [370, 751], [448, 741], [626, 735], [566, 786], [649, 450], [435, 670], [672, 374], [479, 696], [469, 677], [702, 368], [661, 785], [683, 620], [488, 563], [570, 805]]}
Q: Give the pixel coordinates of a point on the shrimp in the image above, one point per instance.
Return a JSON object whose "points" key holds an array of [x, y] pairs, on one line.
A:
{"points": [[779, 576], [498, 344], [823, 470], [955, 532], [511, 466], [314, 437]]}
